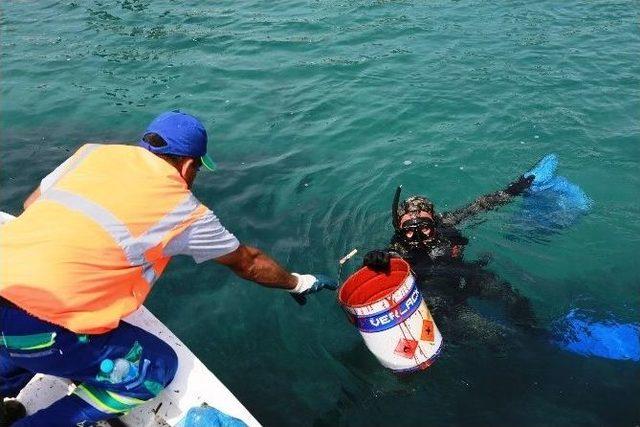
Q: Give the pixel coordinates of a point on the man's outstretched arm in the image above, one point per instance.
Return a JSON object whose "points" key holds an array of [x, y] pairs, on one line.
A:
{"points": [[252, 264], [488, 201]]}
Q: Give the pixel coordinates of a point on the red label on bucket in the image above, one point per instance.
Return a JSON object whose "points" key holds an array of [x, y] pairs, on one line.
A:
{"points": [[406, 348], [427, 331]]}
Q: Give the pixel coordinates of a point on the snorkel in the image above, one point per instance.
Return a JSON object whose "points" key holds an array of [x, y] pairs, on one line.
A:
{"points": [[394, 209]]}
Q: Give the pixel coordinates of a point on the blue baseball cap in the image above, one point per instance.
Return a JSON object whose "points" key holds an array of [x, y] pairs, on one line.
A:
{"points": [[184, 135]]}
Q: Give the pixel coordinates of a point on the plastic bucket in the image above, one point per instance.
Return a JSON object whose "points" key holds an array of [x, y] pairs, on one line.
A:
{"points": [[392, 317]]}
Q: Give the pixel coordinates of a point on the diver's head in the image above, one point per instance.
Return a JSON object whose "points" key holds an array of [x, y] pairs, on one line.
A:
{"points": [[415, 221]]}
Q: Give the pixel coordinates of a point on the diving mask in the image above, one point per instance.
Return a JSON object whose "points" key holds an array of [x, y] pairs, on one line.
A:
{"points": [[418, 231]]}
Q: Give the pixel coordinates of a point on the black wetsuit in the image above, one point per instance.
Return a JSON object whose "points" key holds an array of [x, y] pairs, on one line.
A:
{"points": [[447, 281]]}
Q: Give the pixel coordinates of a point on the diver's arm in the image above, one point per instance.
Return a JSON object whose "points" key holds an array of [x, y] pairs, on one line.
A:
{"points": [[481, 204], [487, 202]]}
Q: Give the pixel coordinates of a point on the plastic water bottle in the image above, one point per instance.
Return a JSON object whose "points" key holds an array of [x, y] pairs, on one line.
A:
{"points": [[119, 370]]}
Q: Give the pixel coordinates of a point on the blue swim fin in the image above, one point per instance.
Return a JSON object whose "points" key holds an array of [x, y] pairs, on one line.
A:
{"points": [[579, 334], [543, 171], [552, 202]]}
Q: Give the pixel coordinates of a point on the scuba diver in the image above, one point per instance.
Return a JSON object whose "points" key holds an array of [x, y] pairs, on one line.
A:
{"points": [[433, 246]]}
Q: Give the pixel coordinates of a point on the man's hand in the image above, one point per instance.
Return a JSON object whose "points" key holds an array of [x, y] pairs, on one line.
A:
{"points": [[377, 260], [518, 186], [308, 283]]}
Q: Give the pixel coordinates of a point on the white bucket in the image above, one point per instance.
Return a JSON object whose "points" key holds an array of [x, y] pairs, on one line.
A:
{"points": [[392, 317]]}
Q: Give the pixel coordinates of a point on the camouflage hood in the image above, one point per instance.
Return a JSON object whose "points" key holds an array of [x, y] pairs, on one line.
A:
{"points": [[412, 204]]}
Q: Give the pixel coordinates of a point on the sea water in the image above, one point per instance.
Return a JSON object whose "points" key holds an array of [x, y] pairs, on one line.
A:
{"points": [[316, 111]]}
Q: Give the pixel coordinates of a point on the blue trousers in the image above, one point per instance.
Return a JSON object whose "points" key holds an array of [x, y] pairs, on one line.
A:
{"points": [[29, 345]]}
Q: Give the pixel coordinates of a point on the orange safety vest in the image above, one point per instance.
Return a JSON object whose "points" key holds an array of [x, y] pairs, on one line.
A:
{"points": [[87, 252]]}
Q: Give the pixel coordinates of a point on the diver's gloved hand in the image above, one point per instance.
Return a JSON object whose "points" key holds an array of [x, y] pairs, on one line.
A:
{"points": [[308, 283], [520, 185], [377, 260]]}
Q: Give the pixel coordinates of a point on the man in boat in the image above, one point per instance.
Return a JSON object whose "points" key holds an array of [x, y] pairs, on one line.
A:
{"points": [[93, 239], [434, 247]]}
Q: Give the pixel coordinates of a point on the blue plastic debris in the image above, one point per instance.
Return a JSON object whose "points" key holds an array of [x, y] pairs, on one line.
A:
{"points": [[208, 416]]}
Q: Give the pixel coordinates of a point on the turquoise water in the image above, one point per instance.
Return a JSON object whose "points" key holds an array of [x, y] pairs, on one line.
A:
{"points": [[313, 109]]}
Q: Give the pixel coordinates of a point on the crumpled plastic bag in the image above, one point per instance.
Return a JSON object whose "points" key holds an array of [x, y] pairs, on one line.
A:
{"points": [[208, 416]]}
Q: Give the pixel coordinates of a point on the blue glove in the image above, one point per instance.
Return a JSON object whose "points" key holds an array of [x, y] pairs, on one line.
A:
{"points": [[308, 284], [323, 282]]}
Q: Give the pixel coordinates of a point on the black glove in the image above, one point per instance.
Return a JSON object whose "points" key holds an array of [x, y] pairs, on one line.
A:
{"points": [[518, 186], [377, 260]]}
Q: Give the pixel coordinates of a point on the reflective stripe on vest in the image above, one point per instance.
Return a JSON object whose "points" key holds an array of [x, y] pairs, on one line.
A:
{"points": [[84, 151], [134, 248]]}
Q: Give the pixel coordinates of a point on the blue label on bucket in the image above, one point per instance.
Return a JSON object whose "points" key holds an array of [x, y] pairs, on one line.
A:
{"points": [[393, 316]]}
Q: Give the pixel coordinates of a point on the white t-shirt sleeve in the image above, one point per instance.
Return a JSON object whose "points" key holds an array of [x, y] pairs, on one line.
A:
{"points": [[203, 240]]}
